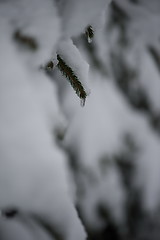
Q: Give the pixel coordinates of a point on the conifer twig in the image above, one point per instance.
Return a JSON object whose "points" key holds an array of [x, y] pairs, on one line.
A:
{"points": [[89, 33], [73, 79], [25, 40]]}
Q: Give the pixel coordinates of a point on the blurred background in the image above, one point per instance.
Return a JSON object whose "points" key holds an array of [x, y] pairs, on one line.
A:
{"points": [[112, 144]]}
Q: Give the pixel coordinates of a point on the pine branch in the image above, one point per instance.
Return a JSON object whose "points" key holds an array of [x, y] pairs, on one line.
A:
{"points": [[9, 212], [25, 40], [49, 65], [72, 78], [89, 33], [155, 55]]}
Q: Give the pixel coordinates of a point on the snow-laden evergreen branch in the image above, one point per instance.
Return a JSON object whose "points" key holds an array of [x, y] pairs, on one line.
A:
{"points": [[25, 40], [89, 33], [72, 78]]}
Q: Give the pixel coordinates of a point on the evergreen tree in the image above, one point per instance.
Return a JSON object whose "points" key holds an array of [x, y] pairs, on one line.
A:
{"points": [[109, 148]]}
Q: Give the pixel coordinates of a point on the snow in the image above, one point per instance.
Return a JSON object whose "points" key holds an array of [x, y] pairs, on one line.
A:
{"points": [[34, 23], [33, 160], [93, 133], [108, 194], [98, 130], [99, 116], [18, 230], [77, 15], [33, 167], [143, 20], [149, 78]]}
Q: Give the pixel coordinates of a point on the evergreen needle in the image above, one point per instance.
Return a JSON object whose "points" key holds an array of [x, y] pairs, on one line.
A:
{"points": [[72, 78]]}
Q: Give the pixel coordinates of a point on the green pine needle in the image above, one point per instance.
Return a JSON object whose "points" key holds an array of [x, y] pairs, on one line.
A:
{"points": [[73, 79]]}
